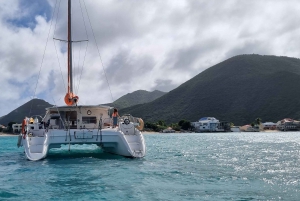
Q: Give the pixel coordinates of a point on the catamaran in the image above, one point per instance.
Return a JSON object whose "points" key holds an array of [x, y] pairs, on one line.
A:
{"points": [[80, 124]]}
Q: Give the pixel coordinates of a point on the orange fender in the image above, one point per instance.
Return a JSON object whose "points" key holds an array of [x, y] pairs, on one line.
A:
{"points": [[23, 131], [141, 124], [23, 126]]}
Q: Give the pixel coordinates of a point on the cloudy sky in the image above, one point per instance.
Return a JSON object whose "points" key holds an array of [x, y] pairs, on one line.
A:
{"points": [[148, 45]]}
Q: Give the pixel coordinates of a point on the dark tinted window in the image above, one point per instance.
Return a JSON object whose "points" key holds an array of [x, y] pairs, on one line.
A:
{"points": [[89, 120]]}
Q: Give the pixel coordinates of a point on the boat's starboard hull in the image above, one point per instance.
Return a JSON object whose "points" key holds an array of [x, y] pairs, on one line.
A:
{"points": [[110, 140]]}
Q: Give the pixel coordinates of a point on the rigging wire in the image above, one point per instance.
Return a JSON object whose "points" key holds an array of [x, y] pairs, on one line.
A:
{"points": [[99, 52], [78, 84], [60, 117], [62, 77], [77, 69], [83, 21], [79, 55], [55, 44], [76, 65], [43, 58], [87, 44], [56, 18], [85, 48]]}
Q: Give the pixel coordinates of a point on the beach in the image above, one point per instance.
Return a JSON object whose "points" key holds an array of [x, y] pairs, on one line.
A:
{"points": [[7, 134]]}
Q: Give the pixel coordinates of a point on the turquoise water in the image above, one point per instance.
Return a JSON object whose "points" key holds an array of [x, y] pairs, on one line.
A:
{"points": [[217, 166]]}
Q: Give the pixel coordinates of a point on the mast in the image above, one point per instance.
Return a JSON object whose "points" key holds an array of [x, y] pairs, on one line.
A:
{"points": [[70, 98], [70, 80]]}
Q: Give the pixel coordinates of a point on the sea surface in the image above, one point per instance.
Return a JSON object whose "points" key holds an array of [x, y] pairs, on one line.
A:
{"points": [[197, 166]]}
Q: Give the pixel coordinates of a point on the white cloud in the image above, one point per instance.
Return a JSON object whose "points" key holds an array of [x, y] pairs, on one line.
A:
{"points": [[143, 44]]}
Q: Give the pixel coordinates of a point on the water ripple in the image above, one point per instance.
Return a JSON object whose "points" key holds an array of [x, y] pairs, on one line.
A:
{"points": [[227, 166]]}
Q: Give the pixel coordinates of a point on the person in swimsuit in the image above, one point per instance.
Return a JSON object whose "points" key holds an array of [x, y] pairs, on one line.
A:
{"points": [[115, 116]]}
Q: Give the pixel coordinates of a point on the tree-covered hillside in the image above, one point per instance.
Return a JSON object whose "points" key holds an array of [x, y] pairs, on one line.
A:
{"points": [[136, 97], [32, 107], [38, 106], [237, 90]]}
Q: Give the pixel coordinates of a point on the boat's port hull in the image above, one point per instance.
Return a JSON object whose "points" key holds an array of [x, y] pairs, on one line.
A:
{"points": [[110, 140]]}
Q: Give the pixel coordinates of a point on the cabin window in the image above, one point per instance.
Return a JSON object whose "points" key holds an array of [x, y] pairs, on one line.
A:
{"points": [[71, 115], [71, 118], [89, 120]]}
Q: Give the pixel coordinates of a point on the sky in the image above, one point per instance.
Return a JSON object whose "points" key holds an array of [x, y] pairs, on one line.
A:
{"points": [[132, 45]]}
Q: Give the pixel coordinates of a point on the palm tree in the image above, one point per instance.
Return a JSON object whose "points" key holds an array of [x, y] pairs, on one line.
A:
{"points": [[161, 123], [258, 121]]}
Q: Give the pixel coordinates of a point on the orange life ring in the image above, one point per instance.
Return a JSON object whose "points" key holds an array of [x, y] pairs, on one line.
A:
{"points": [[141, 124], [71, 99]]}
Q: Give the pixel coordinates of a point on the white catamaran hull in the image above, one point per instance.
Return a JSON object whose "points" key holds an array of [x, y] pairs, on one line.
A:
{"points": [[110, 140]]}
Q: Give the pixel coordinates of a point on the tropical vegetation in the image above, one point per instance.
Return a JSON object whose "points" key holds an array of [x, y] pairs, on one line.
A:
{"points": [[160, 125], [236, 90]]}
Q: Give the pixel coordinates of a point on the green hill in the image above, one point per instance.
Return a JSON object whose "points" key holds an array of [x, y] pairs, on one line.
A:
{"points": [[39, 106], [32, 107], [237, 90], [136, 97]]}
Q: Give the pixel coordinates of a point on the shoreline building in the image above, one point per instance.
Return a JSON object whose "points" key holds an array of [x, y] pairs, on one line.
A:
{"points": [[249, 128], [210, 124], [16, 128], [235, 129], [2, 127], [288, 124], [269, 126]]}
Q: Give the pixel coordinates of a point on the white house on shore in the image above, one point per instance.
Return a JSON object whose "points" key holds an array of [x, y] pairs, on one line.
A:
{"points": [[210, 124], [16, 128], [269, 126]]}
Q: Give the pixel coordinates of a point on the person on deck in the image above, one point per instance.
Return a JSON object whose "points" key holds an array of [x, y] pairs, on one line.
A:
{"points": [[115, 116]]}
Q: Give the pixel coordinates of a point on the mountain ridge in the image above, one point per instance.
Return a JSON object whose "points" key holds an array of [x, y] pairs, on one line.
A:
{"points": [[238, 90], [136, 97], [38, 106], [32, 107]]}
